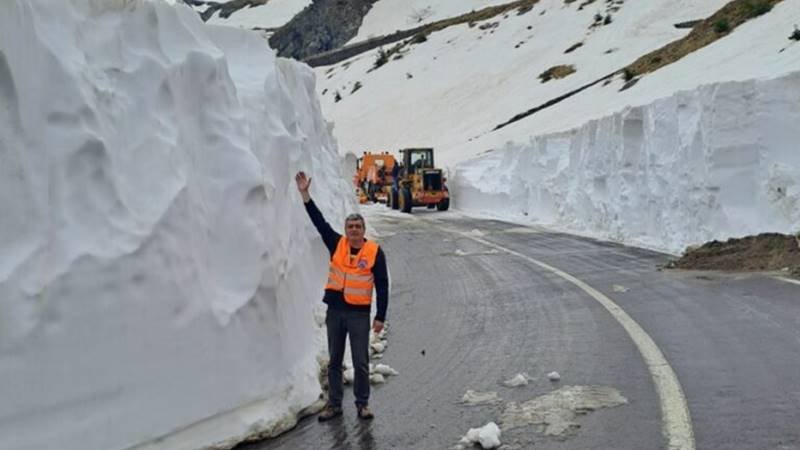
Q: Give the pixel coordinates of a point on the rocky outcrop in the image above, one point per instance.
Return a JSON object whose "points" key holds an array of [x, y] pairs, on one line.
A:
{"points": [[322, 26]]}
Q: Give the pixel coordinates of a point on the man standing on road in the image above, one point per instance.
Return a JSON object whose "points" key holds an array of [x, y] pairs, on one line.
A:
{"points": [[357, 265]]}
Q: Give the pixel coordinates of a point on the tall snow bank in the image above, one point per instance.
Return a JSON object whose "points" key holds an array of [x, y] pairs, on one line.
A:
{"points": [[718, 161], [157, 269]]}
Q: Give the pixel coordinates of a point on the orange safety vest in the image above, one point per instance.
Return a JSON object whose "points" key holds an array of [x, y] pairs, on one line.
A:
{"points": [[353, 275]]}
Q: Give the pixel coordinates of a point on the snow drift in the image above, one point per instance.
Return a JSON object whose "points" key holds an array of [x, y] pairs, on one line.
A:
{"points": [[157, 269], [717, 161]]}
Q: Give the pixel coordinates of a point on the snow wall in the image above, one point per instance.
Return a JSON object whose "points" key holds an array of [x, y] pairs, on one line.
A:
{"points": [[158, 272], [716, 162]]}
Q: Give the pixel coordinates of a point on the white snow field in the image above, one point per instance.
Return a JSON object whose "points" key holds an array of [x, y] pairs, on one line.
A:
{"points": [[272, 14], [159, 277], [388, 16], [269, 14], [703, 148]]}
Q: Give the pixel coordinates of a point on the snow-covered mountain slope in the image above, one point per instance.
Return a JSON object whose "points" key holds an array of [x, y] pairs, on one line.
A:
{"points": [[157, 269], [258, 14], [452, 89], [388, 16], [272, 14]]}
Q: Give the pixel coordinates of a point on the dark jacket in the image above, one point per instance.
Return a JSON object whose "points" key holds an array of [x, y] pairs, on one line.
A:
{"points": [[335, 299]]}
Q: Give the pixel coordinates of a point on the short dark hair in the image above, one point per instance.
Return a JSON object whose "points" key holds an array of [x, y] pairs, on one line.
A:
{"points": [[356, 216]]}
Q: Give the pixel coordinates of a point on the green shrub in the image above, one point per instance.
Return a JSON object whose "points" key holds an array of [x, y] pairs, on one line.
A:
{"points": [[722, 26], [356, 87], [419, 38], [557, 72], [381, 58], [627, 74]]}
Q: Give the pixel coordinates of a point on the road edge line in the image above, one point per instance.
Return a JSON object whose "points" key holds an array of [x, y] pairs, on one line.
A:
{"points": [[788, 280], [675, 416]]}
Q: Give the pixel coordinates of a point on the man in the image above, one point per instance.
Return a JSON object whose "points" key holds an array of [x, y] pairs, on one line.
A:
{"points": [[357, 265]]}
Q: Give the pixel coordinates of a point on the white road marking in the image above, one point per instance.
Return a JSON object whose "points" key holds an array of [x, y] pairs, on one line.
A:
{"points": [[675, 417], [789, 280]]}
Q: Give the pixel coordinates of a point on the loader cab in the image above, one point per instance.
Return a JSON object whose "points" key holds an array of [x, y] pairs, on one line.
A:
{"points": [[415, 159]]}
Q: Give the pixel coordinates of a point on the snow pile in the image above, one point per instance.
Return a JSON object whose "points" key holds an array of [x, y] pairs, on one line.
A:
{"points": [[520, 379], [157, 270], [717, 161], [488, 436]]}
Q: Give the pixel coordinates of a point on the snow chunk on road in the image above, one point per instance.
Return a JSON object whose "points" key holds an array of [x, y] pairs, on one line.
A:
{"points": [[473, 398], [384, 369], [377, 378], [349, 375], [488, 436], [554, 376], [554, 414], [520, 379], [475, 233], [378, 347]]}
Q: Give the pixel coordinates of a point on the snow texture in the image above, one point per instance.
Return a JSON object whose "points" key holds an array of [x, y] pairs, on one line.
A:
{"points": [[272, 14], [157, 269], [475, 398], [520, 379], [488, 436], [715, 162], [388, 16]]}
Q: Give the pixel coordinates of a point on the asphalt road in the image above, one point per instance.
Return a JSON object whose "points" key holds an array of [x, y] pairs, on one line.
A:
{"points": [[465, 314]]}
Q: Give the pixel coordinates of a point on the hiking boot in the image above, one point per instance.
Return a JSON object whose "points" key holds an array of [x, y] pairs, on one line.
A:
{"points": [[329, 412], [364, 412]]}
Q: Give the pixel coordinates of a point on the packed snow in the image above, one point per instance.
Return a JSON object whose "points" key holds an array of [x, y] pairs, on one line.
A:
{"points": [[520, 379], [159, 277], [487, 436], [704, 148], [475, 398]]}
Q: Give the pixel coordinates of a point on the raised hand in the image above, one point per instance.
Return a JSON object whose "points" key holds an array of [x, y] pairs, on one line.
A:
{"points": [[303, 183]]}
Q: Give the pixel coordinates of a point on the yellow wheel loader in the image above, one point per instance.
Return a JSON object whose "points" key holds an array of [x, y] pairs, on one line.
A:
{"points": [[420, 183]]}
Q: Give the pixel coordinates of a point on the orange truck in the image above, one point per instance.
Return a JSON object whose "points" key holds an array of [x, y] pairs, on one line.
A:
{"points": [[373, 177]]}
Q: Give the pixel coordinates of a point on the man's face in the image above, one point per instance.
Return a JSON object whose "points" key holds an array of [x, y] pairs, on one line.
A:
{"points": [[354, 229]]}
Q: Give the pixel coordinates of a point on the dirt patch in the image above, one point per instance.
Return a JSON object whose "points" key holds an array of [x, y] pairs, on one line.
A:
{"points": [[557, 72], [703, 33], [765, 252]]}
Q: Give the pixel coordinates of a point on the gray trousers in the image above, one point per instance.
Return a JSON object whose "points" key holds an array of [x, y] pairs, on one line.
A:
{"points": [[340, 323]]}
